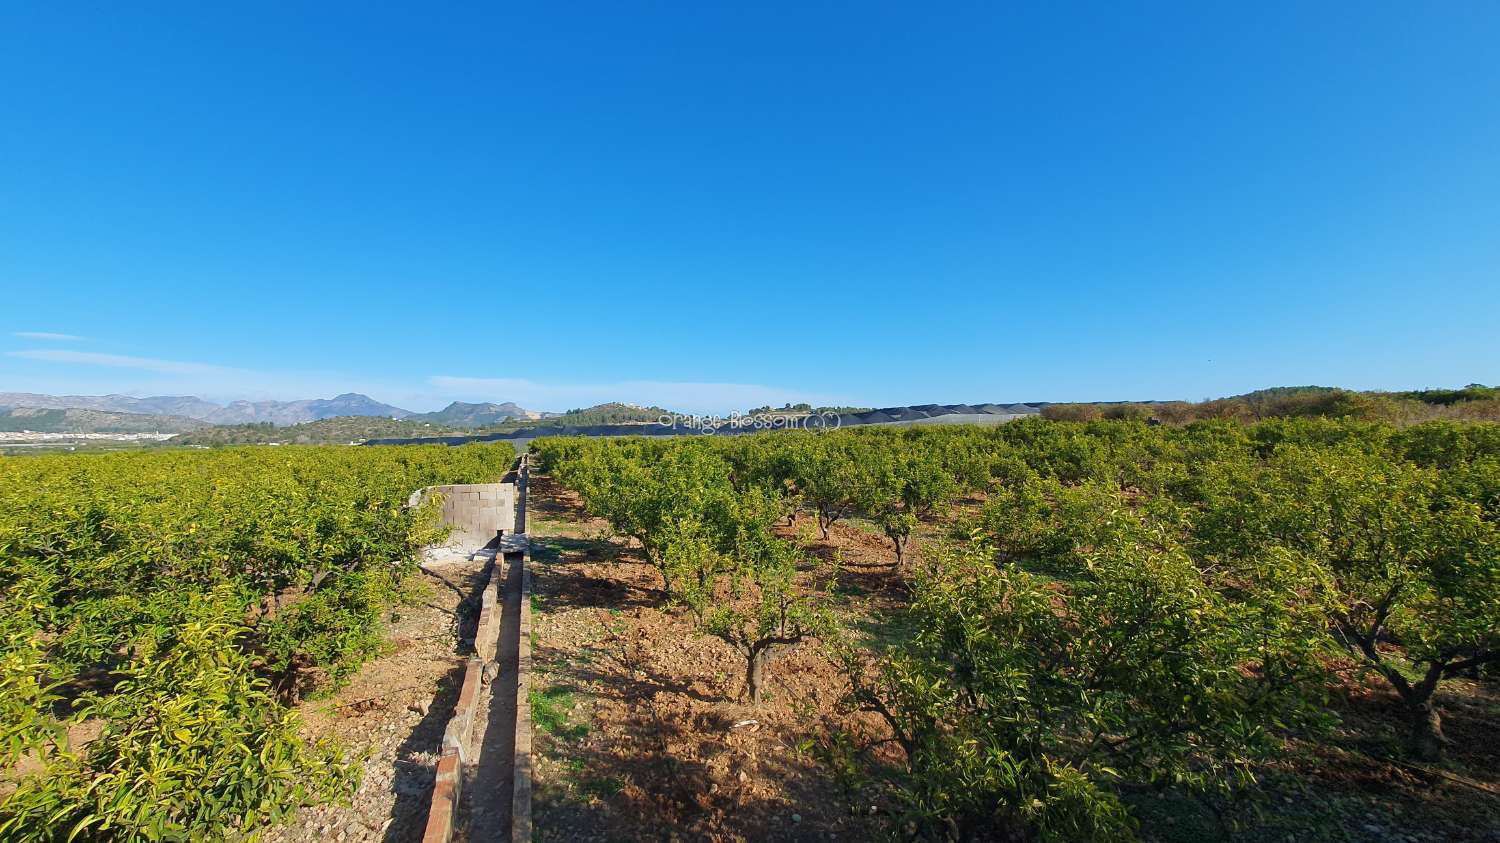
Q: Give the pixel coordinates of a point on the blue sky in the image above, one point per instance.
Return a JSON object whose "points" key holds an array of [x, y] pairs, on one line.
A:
{"points": [[713, 206]]}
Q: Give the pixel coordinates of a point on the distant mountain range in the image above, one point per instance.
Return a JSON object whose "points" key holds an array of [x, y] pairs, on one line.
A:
{"points": [[459, 414], [279, 413], [74, 420]]}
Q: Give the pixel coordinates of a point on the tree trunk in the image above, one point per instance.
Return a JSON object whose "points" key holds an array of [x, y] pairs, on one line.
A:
{"points": [[900, 543], [755, 670], [666, 581], [824, 522], [1427, 740]]}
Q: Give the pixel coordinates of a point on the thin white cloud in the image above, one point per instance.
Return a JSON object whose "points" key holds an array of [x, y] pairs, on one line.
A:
{"points": [[121, 361], [46, 336], [84, 373], [57, 372], [673, 395]]}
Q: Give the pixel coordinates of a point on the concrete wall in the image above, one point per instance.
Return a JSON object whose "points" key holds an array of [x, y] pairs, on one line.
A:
{"points": [[475, 511], [455, 763]]}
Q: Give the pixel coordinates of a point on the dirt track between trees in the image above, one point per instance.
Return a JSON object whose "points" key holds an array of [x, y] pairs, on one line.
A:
{"points": [[396, 707]]}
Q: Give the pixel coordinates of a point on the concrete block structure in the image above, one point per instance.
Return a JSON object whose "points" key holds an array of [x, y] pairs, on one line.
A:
{"points": [[476, 511]]}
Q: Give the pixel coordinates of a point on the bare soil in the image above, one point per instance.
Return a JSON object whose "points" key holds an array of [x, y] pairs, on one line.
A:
{"points": [[1358, 784], [395, 709], [642, 733], [641, 729]]}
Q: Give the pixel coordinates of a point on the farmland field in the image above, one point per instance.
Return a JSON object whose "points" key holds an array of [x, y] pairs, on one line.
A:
{"points": [[1048, 630], [164, 612]]}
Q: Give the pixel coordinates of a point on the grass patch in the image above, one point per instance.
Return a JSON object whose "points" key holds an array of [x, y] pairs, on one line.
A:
{"points": [[883, 630], [412, 591], [545, 552], [853, 590], [551, 709], [602, 787], [864, 525]]}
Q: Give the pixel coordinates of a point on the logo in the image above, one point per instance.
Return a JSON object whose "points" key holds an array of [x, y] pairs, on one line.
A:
{"points": [[754, 423]]}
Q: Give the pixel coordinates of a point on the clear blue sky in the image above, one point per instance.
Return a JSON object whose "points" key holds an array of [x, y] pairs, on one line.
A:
{"points": [[716, 205]]}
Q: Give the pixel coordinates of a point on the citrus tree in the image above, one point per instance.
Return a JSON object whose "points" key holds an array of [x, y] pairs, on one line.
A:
{"points": [[1412, 561], [834, 474], [763, 609], [901, 488], [1022, 704], [181, 602]]}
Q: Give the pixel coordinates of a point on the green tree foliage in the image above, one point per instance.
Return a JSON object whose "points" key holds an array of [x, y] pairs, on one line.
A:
{"points": [[667, 499], [901, 486], [181, 601], [763, 610], [1412, 561], [1022, 703], [194, 744], [702, 511], [28, 693], [833, 476], [1129, 605], [1474, 402]]}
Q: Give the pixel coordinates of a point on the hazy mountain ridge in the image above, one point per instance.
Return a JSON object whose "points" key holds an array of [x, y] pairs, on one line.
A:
{"points": [[461, 414], [336, 430], [279, 413], [164, 405], [81, 420], [283, 413]]}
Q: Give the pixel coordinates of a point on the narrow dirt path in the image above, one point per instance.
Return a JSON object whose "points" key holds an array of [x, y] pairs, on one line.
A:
{"points": [[396, 707]]}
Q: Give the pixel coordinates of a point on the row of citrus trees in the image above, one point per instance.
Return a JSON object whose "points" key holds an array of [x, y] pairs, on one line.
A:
{"points": [[710, 538], [172, 605], [1119, 606]]}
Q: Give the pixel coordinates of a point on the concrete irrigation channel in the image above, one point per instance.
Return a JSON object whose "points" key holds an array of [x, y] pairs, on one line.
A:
{"points": [[482, 787]]}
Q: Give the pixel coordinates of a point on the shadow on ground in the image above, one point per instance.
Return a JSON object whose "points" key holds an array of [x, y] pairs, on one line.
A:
{"points": [[485, 803], [416, 758]]}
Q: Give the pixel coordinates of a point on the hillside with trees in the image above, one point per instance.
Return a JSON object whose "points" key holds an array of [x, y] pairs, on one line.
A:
{"points": [[74, 420], [1475, 402], [340, 430], [612, 412], [462, 415], [599, 414], [802, 408]]}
